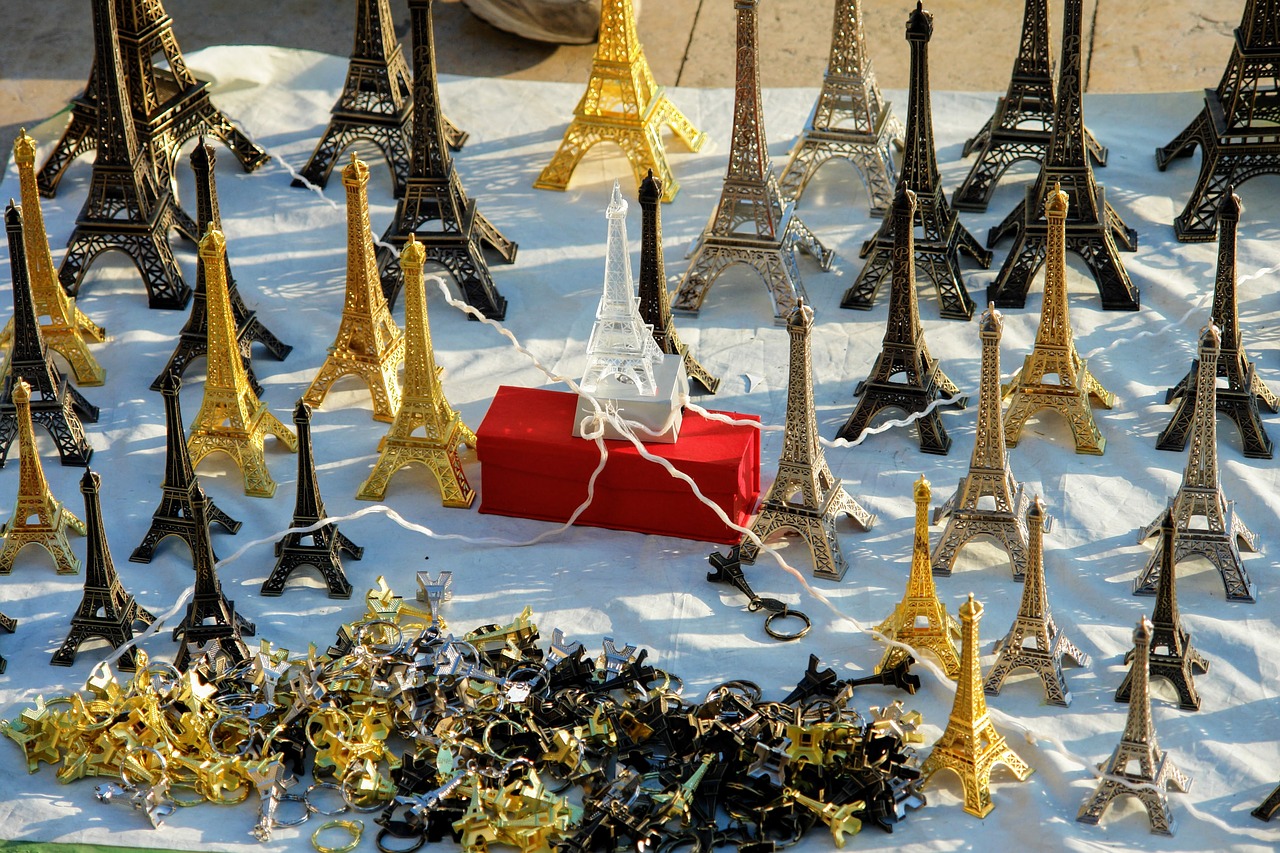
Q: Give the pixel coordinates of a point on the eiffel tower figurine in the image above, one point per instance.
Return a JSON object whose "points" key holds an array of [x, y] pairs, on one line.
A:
{"points": [[904, 352], [971, 746], [750, 223], [106, 611], [38, 517], [805, 497], [1096, 232], [128, 207], [1054, 354], [623, 105], [69, 330], [1236, 130], [1022, 124], [942, 236], [1155, 771], [58, 407], [1245, 392], [231, 418], [1003, 518], [1206, 522], [376, 104], [921, 620], [423, 405], [849, 121], [319, 547], [655, 304], [434, 205], [193, 339], [173, 517], [1035, 623], [8, 625], [369, 343]]}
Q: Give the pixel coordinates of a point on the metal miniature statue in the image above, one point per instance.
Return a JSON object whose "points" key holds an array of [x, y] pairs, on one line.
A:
{"points": [[920, 620], [423, 406], [750, 223], [1022, 124], [1154, 771], [904, 352], [1071, 388], [38, 517], [971, 746], [369, 344], [434, 206], [728, 570], [805, 497], [622, 105], [1244, 393], [849, 121], [106, 611], [1095, 232], [1206, 523], [1035, 640], [1265, 810], [231, 418], [942, 236], [8, 625]]}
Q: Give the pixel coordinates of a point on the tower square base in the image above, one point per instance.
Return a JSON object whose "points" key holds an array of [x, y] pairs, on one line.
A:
{"points": [[661, 414], [532, 467]]}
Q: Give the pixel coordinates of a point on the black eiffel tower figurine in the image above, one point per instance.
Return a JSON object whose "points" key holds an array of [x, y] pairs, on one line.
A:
{"points": [[942, 235], [55, 404], [176, 514], [319, 547], [435, 207], [1095, 231], [1172, 655], [1022, 124], [376, 104], [904, 351], [655, 302], [128, 208], [193, 339], [106, 611], [1244, 393]]}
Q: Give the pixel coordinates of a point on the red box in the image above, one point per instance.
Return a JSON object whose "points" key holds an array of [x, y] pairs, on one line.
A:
{"points": [[533, 467]]}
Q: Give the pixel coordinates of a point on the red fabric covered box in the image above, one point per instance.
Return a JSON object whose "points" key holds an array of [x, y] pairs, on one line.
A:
{"points": [[533, 467]]}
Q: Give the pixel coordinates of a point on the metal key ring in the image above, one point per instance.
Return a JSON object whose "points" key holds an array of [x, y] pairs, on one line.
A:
{"points": [[292, 798], [783, 614], [386, 832]]}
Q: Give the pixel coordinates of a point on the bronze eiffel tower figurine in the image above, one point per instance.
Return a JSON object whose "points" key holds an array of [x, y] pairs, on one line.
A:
{"points": [[1022, 124], [655, 303], [849, 121], [8, 625], [1205, 520], [1236, 130], [173, 517], [750, 223], [1245, 392], [106, 611], [1095, 231], [805, 498], [1035, 623], [1138, 745], [942, 236], [320, 547], [434, 206], [193, 340], [904, 351], [376, 104], [58, 407], [128, 206]]}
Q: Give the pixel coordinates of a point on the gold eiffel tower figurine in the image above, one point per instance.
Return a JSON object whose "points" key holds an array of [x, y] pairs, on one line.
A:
{"points": [[971, 746], [68, 330], [920, 604], [369, 343], [231, 418], [1055, 354], [423, 405], [38, 517], [624, 105]]}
